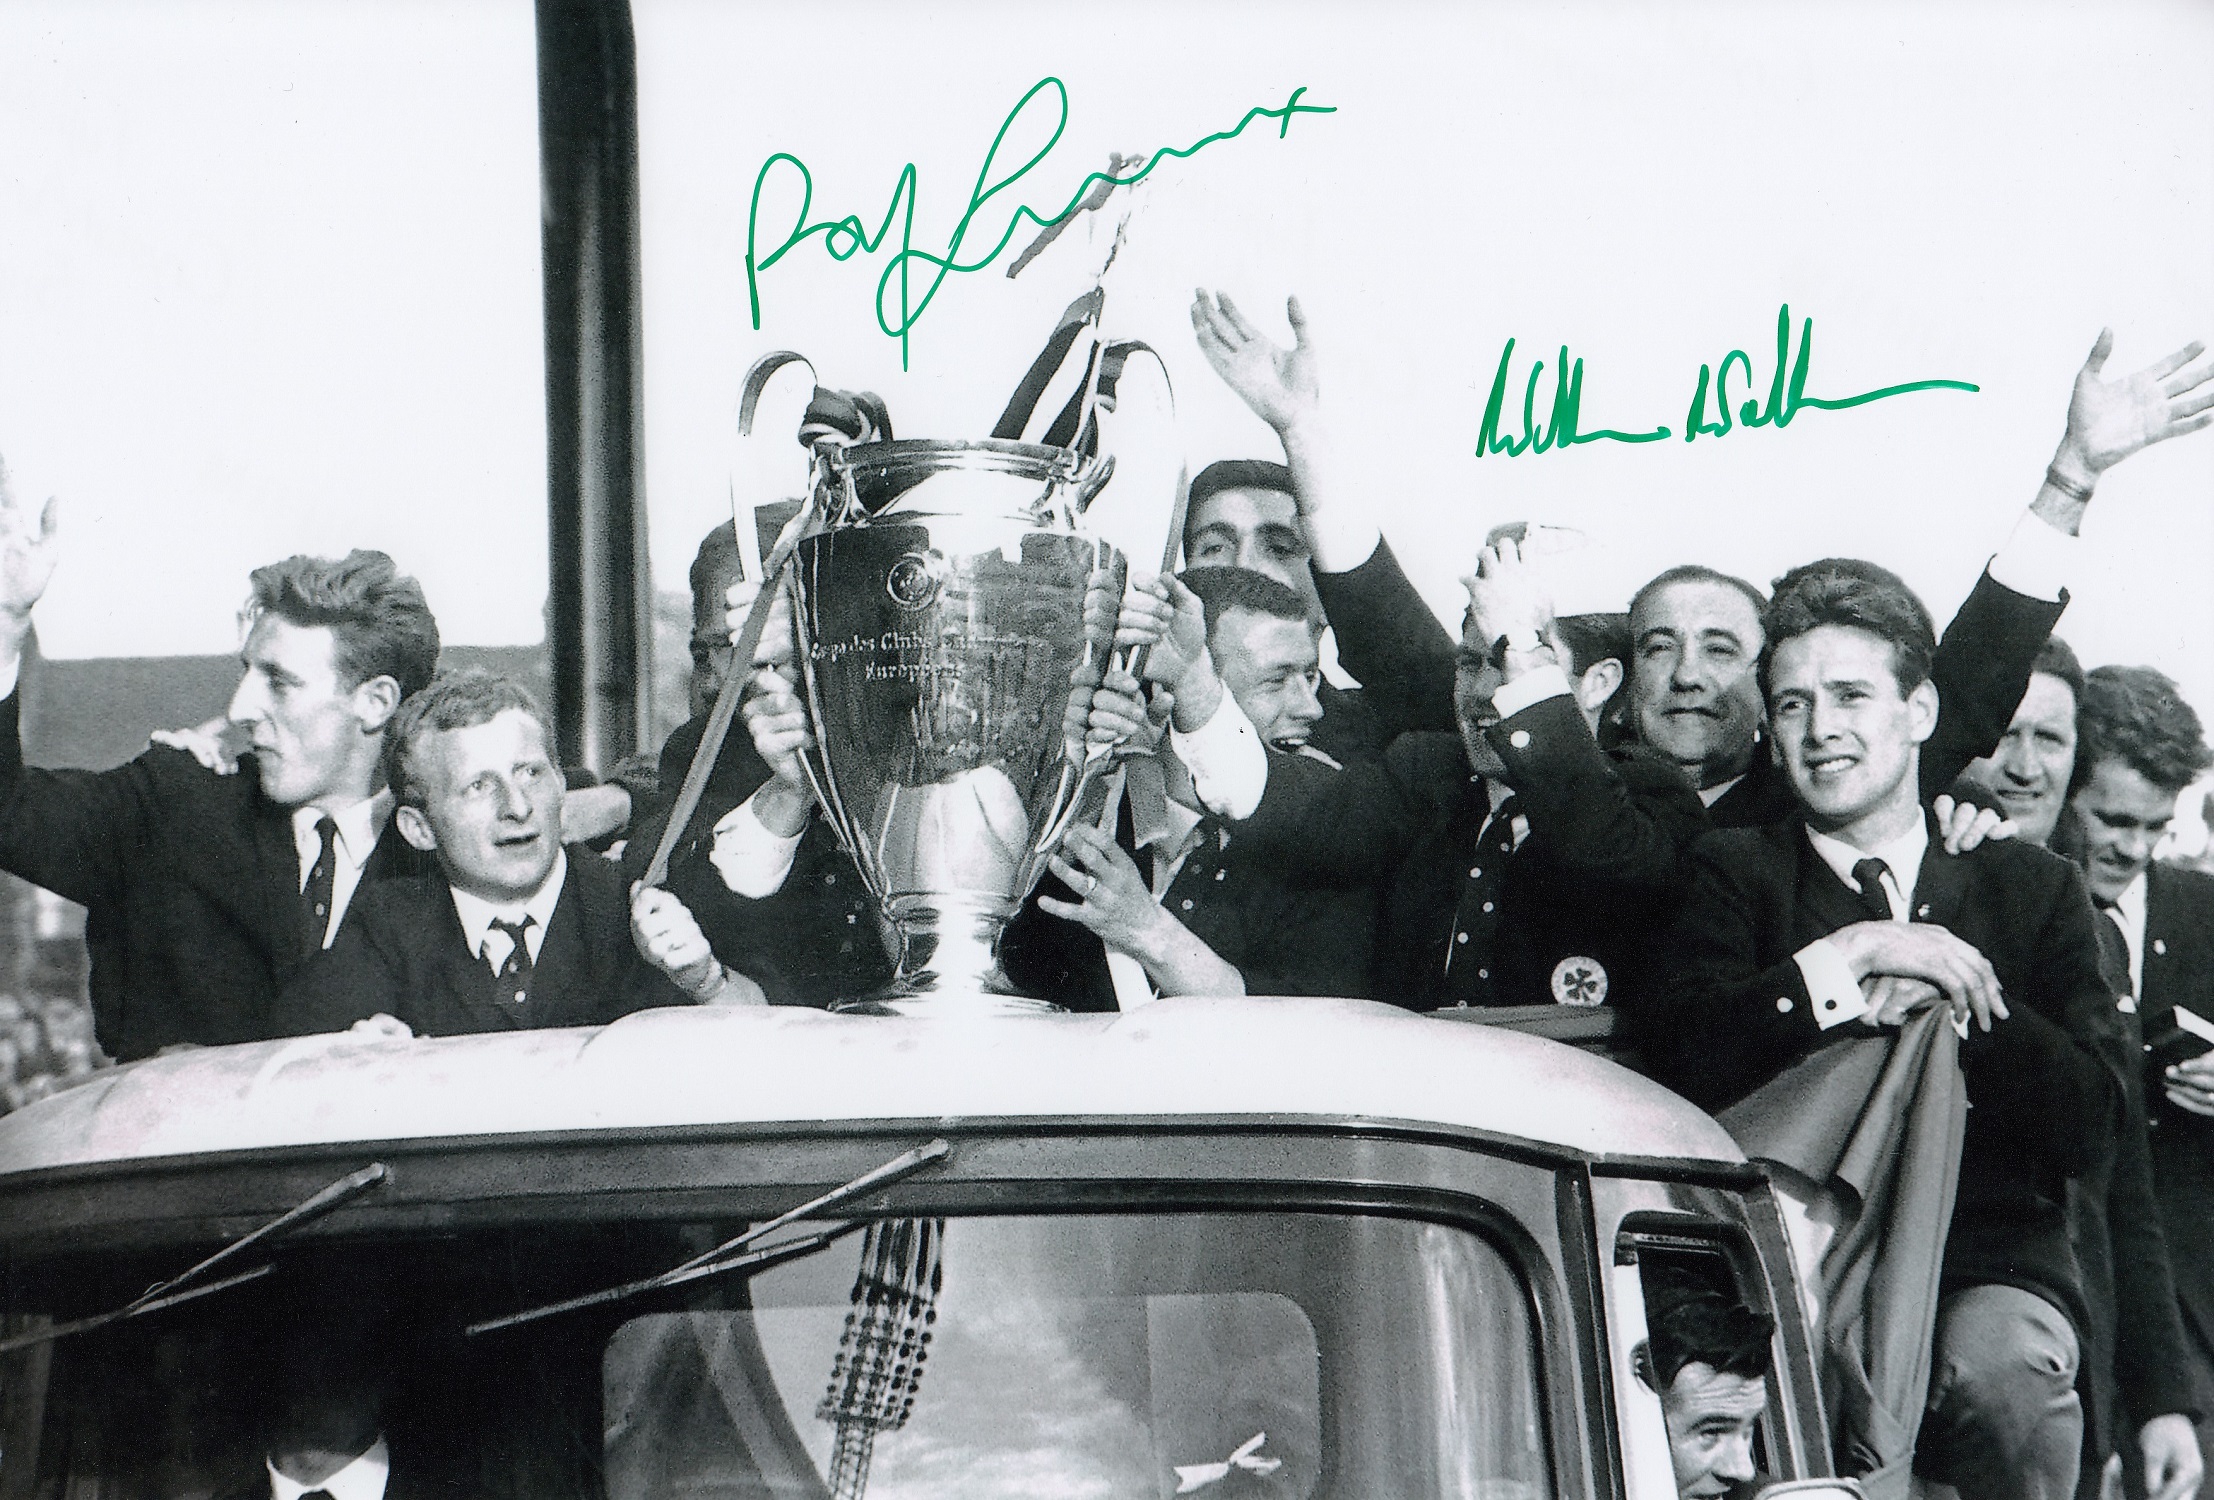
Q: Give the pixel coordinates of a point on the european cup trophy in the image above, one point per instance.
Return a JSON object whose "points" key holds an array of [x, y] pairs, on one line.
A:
{"points": [[953, 617]]}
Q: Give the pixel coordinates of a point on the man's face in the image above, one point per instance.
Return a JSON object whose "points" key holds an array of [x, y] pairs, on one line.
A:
{"points": [[1254, 529], [2036, 757], [2123, 817], [1272, 671], [492, 806], [308, 727], [1844, 731], [1692, 687], [1475, 679], [1711, 1416], [711, 640]]}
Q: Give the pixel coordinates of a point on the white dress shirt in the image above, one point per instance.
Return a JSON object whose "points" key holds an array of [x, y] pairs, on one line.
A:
{"points": [[363, 1479], [477, 914], [360, 825], [1830, 982]]}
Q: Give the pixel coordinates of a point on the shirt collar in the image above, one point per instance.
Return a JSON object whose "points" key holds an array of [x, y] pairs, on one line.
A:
{"points": [[477, 914], [363, 1479], [1713, 794], [360, 825], [2131, 902], [1903, 855]]}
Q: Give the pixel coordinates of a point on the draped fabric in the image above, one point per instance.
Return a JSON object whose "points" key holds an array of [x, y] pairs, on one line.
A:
{"points": [[1875, 1123]]}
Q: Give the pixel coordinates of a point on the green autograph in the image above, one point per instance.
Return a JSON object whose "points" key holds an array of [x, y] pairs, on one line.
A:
{"points": [[1786, 397], [845, 237]]}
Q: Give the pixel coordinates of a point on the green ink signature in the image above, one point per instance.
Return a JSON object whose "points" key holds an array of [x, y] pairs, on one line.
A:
{"points": [[846, 237], [1785, 399]]}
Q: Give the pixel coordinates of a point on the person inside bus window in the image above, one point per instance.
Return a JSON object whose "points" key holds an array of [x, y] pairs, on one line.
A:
{"points": [[1707, 1355], [512, 933]]}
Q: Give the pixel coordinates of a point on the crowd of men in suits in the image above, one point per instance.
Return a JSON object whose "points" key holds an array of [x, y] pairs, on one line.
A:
{"points": [[1750, 821]]}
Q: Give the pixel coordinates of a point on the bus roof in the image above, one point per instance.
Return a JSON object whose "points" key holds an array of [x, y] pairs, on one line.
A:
{"points": [[1212, 1058]]}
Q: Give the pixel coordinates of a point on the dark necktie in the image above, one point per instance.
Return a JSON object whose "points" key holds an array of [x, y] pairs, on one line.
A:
{"points": [[1873, 898], [511, 980], [1471, 947], [315, 1495], [2114, 953], [315, 896]]}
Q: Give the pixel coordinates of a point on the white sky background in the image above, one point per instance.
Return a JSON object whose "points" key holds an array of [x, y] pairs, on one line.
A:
{"points": [[269, 273]]}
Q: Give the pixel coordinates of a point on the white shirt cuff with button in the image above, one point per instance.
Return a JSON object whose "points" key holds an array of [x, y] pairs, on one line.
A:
{"points": [[1228, 763], [1531, 687], [752, 861], [1830, 985], [2037, 560]]}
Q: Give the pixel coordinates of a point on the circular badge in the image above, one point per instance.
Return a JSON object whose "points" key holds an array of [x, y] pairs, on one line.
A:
{"points": [[913, 580], [1579, 981]]}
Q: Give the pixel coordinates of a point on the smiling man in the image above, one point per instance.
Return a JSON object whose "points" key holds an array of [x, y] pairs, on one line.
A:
{"points": [[1851, 913], [205, 894], [511, 933]]}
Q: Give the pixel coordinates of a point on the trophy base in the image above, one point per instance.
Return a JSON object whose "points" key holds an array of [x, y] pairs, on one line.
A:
{"points": [[949, 964]]}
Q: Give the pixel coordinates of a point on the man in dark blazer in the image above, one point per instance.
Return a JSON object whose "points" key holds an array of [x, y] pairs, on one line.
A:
{"points": [[1296, 522], [1697, 633], [512, 932], [2137, 1365], [2139, 744], [204, 893], [1851, 913], [1516, 862]]}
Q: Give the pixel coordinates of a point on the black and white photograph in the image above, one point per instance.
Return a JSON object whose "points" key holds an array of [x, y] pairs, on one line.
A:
{"points": [[756, 750]]}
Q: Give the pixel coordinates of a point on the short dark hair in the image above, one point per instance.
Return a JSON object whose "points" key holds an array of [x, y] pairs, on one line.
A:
{"points": [[2056, 659], [1592, 639], [1236, 474], [460, 699], [1691, 1319], [717, 558], [1859, 596], [2137, 716], [377, 616], [1221, 590], [1698, 573]]}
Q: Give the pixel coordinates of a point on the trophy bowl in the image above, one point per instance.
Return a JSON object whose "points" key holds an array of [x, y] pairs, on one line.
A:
{"points": [[952, 623]]}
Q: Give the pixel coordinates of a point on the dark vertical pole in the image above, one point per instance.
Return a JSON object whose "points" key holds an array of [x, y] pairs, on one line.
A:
{"points": [[599, 620]]}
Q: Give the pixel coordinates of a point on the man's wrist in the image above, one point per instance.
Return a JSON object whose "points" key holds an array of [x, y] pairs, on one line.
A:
{"points": [[1198, 698], [781, 807], [2072, 464]]}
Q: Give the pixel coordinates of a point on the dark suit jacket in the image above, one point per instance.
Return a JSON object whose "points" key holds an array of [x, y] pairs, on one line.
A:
{"points": [[191, 887], [1395, 648], [1593, 880], [814, 941], [1734, 1012], [407, 957], [2179, 970], [1981, 670]]}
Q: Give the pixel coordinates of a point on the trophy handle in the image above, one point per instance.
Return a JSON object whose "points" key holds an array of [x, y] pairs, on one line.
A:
{"points": [[757, 380]]}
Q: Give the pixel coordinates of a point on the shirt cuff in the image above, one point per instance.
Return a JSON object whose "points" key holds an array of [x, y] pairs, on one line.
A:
{"points": [[1831, 987], [752, 861], [2037, 560], [1228, 763], [9, 675], [1341, 539], [1530, 687]]}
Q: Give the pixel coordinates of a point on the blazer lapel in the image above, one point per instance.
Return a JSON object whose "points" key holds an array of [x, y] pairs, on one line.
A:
{"points": [[1941, 886], [563, 967], [1825, 903]]}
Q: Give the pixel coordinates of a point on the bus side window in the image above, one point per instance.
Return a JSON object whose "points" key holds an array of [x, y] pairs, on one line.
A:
{"points": [[1693, 1359]]}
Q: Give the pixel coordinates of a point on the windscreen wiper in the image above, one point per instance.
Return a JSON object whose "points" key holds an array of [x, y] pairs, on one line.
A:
{"points": [[726, 1257], [179, 1288]]}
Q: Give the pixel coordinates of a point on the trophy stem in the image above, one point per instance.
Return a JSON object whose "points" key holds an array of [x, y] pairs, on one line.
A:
{"points": [[949, 962]]}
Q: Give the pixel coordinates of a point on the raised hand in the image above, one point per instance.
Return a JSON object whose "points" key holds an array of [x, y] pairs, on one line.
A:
{"points": [[667, 936], [1280, 385], [29, 548], [1962, 826], [1505, 593], [2108, 420], [777, 721], [204, 743]]}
